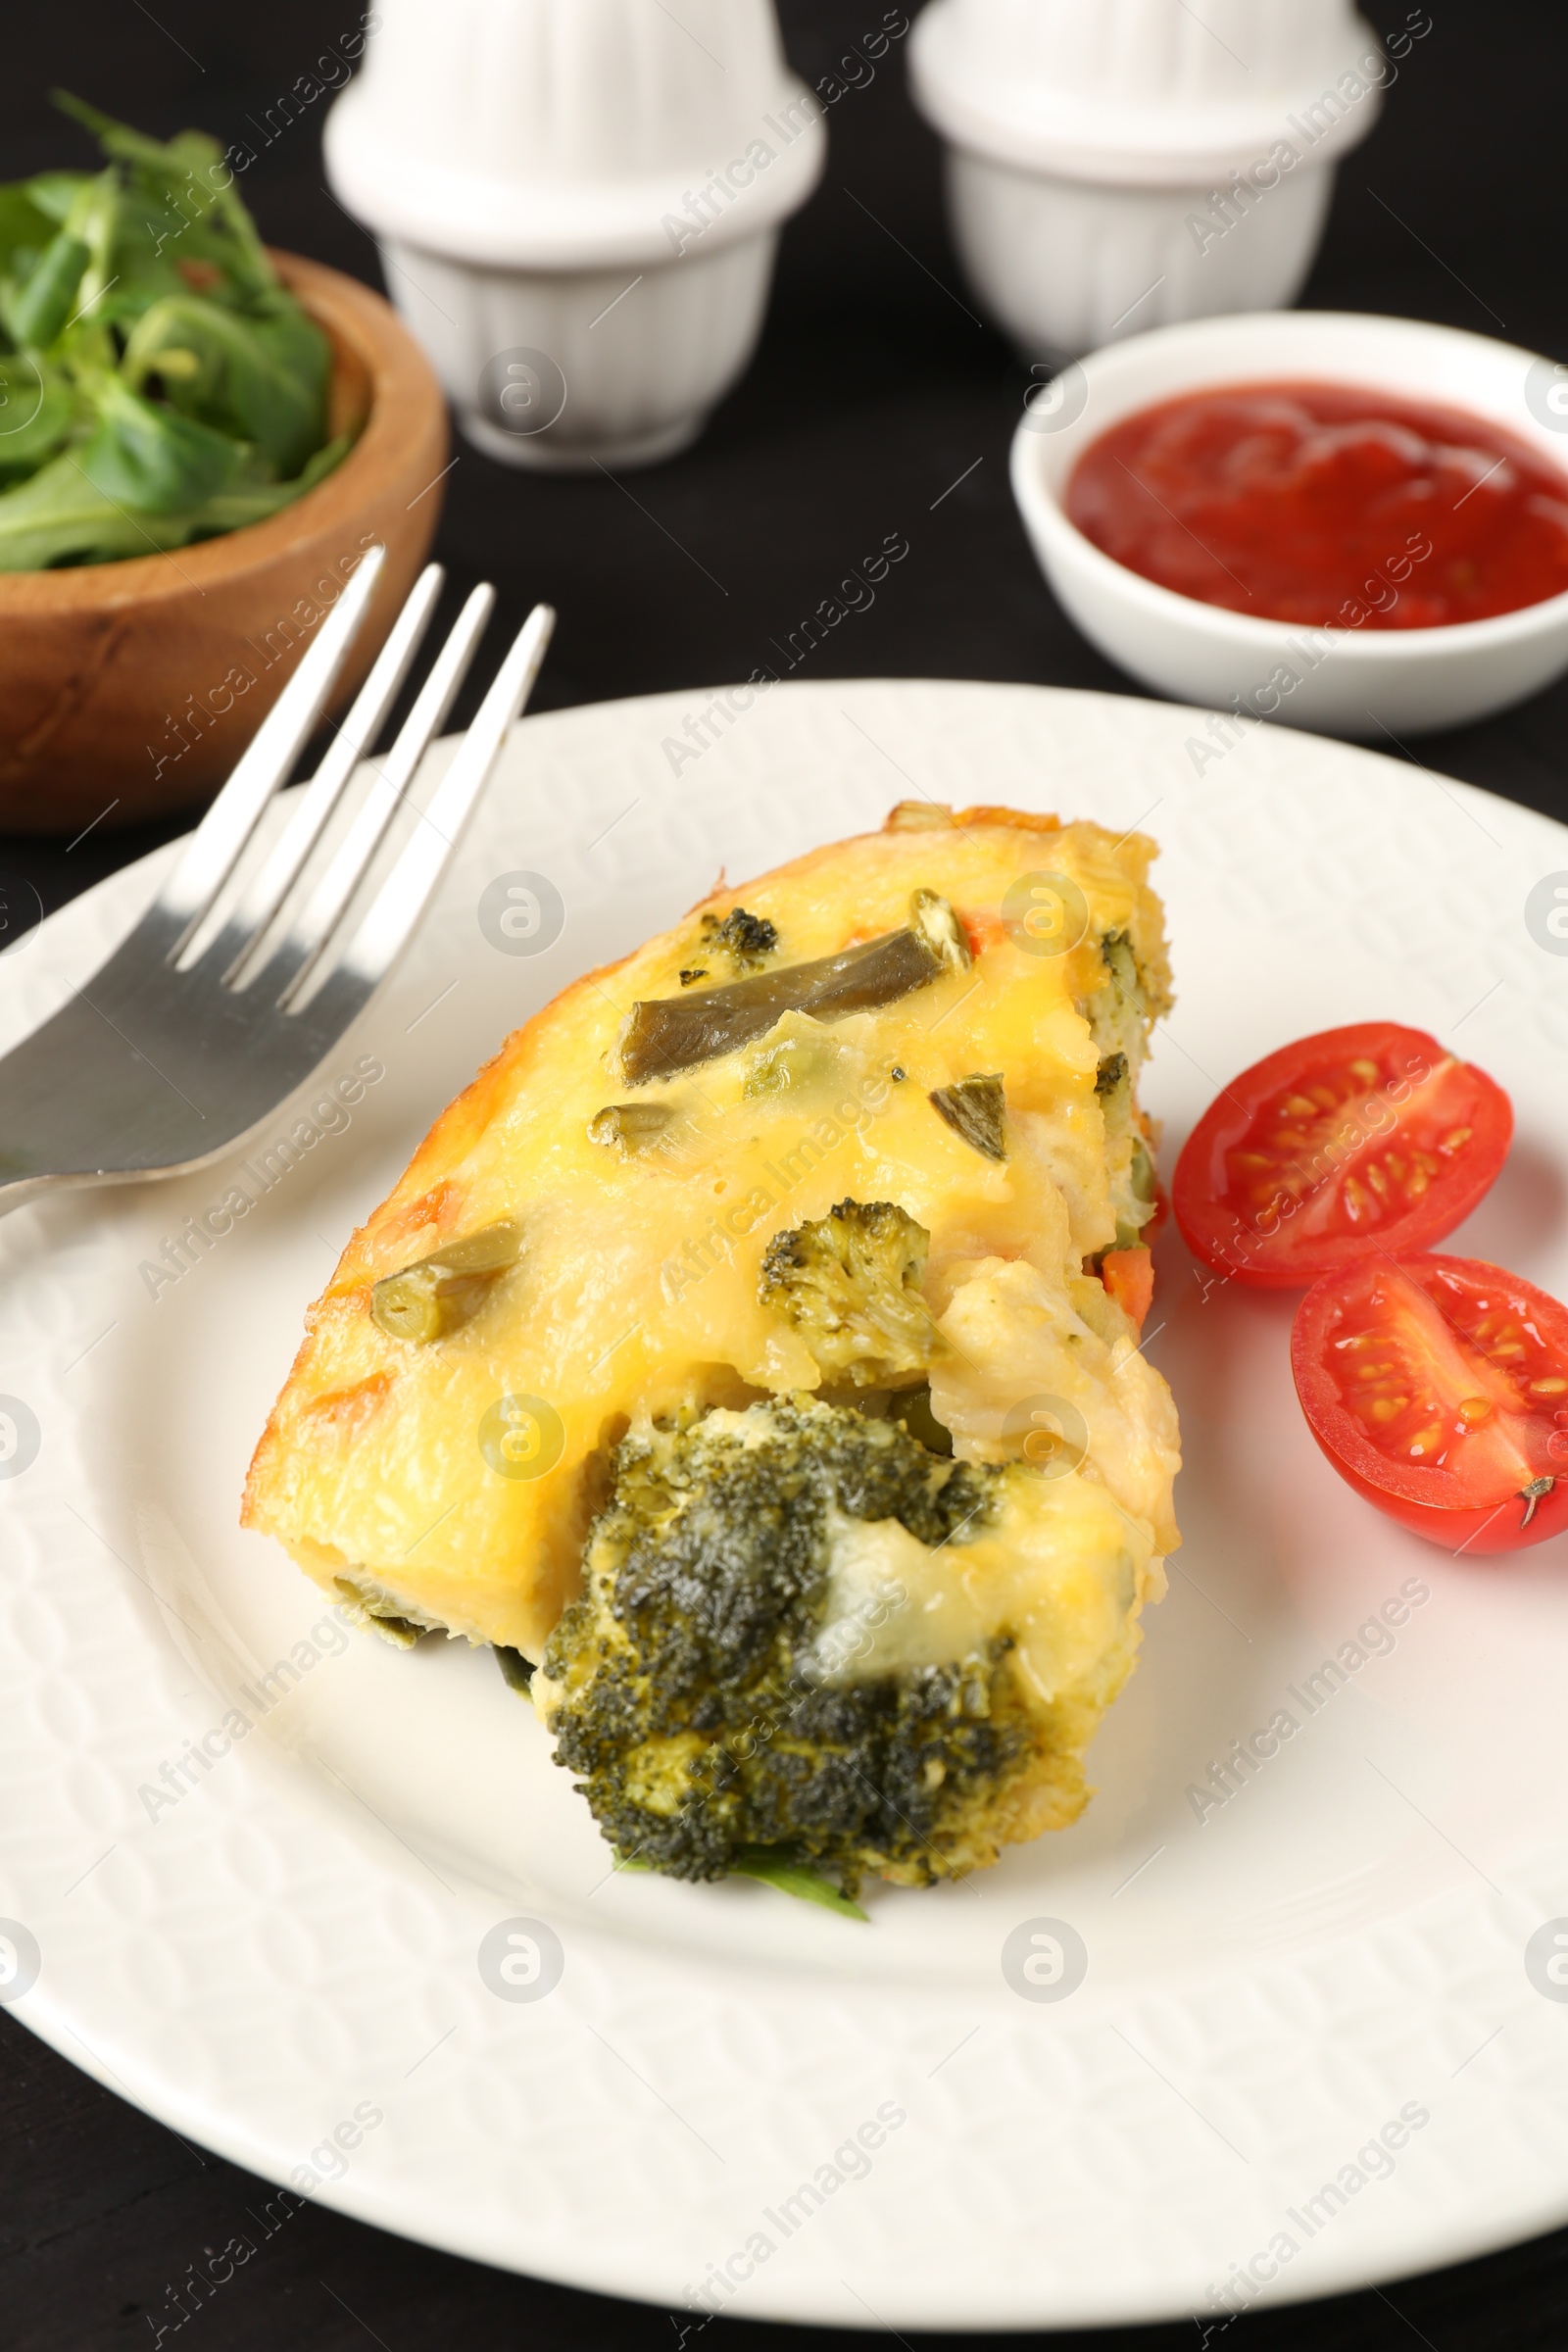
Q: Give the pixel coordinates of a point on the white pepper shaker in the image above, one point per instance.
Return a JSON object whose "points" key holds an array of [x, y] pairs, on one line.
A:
{"points": [[578, 204], [1126, 163]]}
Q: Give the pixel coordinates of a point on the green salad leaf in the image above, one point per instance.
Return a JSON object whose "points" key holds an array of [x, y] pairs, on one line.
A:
{"points": [[186, 190], [151, 459], [25, 228], [158, 383], [60, 516], [42, 304], [261, 377], [52, 193], [36, 413]]}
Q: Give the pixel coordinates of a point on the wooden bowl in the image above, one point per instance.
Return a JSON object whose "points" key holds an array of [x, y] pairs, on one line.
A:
{"points": [[127, 689]]}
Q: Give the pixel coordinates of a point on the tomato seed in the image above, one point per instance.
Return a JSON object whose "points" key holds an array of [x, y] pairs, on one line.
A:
{"points": [[1354, 1196], [1384, 1408]]}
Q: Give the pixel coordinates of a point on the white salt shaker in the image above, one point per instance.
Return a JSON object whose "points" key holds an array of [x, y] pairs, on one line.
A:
{"points": [[1118, 165], [578, 204]]}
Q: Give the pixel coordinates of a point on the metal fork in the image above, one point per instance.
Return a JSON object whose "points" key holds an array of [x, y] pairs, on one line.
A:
{"points": [[164, 1061]]}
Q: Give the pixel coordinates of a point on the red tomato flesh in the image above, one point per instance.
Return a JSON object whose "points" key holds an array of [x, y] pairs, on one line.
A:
{"points": [[1360, 1143], [1437, 1388]]}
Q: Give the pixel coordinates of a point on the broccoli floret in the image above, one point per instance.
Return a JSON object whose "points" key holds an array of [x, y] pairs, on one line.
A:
{"points": [[687, 1689], [850, 1283], [1119, 1011], [746, 938], [1129, 1163]]}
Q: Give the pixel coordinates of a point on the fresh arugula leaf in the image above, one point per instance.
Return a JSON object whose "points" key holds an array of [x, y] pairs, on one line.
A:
{"points": [[60, 516], [180, 177], [25, 230], [37, 410], [40, 306], [94, 217], [263, 379], [246, 503], [166, 387], [52, 193], [153, 459], [775, 1869]]}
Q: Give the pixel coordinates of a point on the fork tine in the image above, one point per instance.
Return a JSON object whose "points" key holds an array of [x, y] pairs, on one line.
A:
{"points": [[266, 894], [404, 895], [308, 936], [229, 822]]}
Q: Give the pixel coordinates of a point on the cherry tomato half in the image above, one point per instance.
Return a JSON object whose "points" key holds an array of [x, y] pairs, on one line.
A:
{"points": [[1359, 1142], [1437, 1388]]}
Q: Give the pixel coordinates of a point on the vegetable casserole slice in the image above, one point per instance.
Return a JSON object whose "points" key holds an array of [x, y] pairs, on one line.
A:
{"points": [[751, 1354]]}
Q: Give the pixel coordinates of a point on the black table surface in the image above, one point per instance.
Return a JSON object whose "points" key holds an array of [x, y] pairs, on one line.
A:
{"points": [[875, 388]]}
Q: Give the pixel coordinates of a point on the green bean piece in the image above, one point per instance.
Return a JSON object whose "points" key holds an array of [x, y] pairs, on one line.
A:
{"points": [[441, 1292], [630, 1127], [941, 929], [401, 1632], [665, 1034], [976, 1108]]}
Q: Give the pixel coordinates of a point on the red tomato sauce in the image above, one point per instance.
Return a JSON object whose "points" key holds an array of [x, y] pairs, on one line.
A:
{"points": [[1327, 505]]}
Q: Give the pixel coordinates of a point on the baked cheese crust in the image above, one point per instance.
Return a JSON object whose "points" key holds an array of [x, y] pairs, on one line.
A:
{"points": [[635, 1294]]}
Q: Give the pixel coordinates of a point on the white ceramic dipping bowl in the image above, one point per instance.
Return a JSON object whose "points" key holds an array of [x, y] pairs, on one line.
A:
{"points": [[1360, 682]]}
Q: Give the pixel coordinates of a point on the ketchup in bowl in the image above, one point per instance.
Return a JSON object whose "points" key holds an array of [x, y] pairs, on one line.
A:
{"points": [[1327, 505]]}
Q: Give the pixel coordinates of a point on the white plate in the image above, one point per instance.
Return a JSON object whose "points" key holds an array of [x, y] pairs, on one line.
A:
{"points": [[296, 1940]]}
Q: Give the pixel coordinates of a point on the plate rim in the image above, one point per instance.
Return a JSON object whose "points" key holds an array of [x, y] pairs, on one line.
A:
{"points": [[372, 2200]]}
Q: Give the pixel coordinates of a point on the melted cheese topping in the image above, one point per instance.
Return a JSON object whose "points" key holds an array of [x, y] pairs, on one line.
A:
{"points": [[1061, 1573], [637, 1286]]}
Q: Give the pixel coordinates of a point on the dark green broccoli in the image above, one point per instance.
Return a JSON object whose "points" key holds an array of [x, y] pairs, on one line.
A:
{"points": [[1119, 1011], [1129, 1162], [689, 1685], [745, 938], [850, 1283], [1113, 1076]]}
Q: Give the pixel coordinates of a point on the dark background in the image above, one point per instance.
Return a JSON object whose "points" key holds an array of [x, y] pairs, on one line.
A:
{"points": [[873, 390]]}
